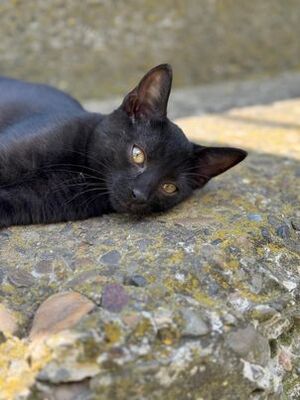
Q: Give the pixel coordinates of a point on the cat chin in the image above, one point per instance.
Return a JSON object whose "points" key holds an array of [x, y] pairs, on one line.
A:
{"points": [[130, 208]]}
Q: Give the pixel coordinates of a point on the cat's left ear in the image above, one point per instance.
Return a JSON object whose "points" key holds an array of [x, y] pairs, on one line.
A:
{"points": [[149, 99], [213, 161]]}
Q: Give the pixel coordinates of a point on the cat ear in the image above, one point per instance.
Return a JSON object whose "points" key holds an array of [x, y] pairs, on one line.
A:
{"points": [[149, 99], [213, 161]]}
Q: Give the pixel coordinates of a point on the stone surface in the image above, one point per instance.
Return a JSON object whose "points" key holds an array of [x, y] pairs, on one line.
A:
{"points": [[114, 298], [97, 48], [20, 278], [219, 315], [194, 324], [7, 320], [59, 312], [135, 280]]}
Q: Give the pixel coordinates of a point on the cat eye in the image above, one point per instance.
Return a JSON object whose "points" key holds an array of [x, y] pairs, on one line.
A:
{"points": [[137, 155], [169, 188]]}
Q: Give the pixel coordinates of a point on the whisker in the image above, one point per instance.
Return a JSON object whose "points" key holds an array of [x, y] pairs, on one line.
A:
{"points": [[101, 163], [77, 172], [88, 201], [81, 194], [71, 165], [65, 185]]}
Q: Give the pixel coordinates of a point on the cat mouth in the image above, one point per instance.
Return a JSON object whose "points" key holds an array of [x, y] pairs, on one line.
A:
{"points": [[138, 208], [132, 208]]}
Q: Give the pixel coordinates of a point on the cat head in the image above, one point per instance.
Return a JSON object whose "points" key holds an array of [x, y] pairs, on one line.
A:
{"points": [[150, 164]]}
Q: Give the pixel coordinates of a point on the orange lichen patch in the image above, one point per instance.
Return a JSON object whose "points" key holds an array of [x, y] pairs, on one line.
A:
{"points": [[272, 130]]}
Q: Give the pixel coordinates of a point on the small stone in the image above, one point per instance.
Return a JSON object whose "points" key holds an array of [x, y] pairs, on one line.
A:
{"points": [[289, 285], [130, 320], [273, 220], [62, 374], [194, 324], [283, 231], [257, 283], [213, 288], [275, 326], [135, 280], [67, 391], [234, 250], [262, 312], [82, 278], [59, 312], [285, 361], [8, 322], [254, 217], [216, 242], [250, 345], [143, 244], [296, 224], [2, 337], [266, 234], [44, 267], [114, 298], [20, 278], [111, 258], [4, 235], [82, 263]]}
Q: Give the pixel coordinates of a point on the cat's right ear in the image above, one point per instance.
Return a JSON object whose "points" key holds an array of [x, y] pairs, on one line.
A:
{"points": [[213, 161], [149, 99]]}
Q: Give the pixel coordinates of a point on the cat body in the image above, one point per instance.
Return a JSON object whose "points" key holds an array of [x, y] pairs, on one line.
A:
{"points": [[59, 162]]}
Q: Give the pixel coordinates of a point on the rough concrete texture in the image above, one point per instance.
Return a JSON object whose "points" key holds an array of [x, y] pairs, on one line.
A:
{"points": [[98, 48], [198, 303]]}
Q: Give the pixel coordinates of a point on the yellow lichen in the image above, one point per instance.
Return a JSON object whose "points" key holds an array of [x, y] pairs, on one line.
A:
{"points": [[20, 362], [168, 335], [190, 287], [112, 332], [142, 327], [177, 257]]}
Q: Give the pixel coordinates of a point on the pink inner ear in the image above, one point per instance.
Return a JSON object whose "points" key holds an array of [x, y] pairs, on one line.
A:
{"points": [[151, 89], [149, 99], [213, 161]]}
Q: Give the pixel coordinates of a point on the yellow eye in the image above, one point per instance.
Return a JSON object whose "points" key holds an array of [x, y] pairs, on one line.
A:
{"points": [[137, 155], [169, 188]]}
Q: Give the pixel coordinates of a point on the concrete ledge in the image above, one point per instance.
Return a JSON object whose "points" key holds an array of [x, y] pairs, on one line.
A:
{"points": [[199, 303]]}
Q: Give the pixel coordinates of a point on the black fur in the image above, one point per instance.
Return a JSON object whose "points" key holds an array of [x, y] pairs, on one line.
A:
{"points": [[59, 162]]}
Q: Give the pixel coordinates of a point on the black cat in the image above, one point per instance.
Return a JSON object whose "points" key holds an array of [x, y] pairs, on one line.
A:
{"points": [[59, 162]]}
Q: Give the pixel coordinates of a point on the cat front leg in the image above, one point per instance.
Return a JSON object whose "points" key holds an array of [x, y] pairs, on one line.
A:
{"points": [[42, 202], [18, 206]]}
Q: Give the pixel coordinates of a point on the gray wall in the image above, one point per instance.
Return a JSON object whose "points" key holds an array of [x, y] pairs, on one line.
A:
{"points": [[98, 48]]}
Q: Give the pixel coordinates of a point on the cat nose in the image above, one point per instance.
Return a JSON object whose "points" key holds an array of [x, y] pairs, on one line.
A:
{"points": [[139, 196]]}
